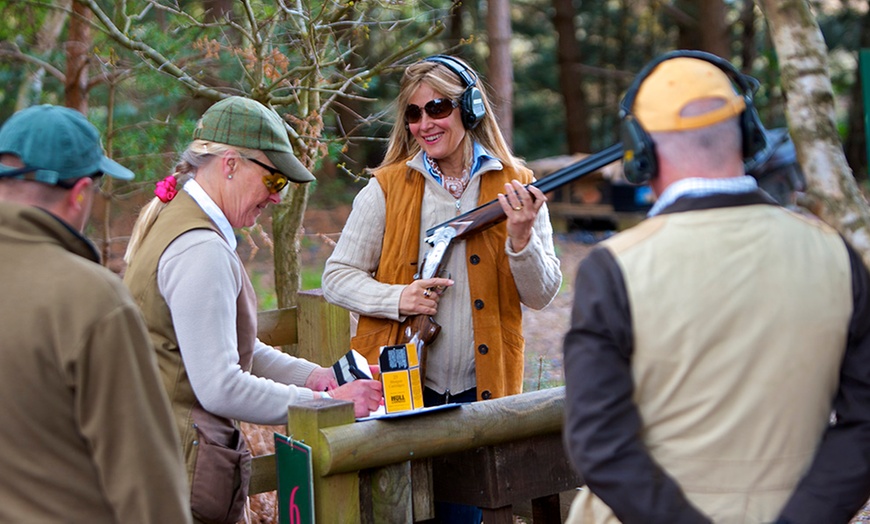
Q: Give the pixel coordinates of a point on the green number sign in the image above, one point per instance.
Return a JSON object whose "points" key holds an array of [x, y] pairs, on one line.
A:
{"points": [[295, 481]]}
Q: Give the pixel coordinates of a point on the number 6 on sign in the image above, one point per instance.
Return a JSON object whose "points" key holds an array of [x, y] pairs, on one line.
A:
{"points": [[295, 481]]}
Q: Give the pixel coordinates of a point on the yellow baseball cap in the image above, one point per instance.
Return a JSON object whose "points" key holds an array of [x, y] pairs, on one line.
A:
{"points": [[676, 82]]}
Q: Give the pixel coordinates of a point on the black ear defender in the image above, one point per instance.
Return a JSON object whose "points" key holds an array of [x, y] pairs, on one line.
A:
{"points": [[471, 101], [639, 157]]}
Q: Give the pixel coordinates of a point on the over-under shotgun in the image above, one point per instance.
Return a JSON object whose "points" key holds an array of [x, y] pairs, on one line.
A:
{"points": [[422, 329]]}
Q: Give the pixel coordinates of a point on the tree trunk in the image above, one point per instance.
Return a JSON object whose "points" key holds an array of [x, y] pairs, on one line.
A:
{"points": [[286, 228], [570, 78], [685, 15], [747, 37], [454, 24], [702, 25], [713, 28], [78, 46], [501, 72], [46, 40], [832, 193]]}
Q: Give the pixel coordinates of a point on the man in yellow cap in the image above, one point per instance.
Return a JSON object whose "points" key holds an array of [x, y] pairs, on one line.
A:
{"points": [[717, 367]]}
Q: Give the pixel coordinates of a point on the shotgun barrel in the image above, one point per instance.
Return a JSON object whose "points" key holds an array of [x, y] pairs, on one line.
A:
{"points": [[490, 214]]}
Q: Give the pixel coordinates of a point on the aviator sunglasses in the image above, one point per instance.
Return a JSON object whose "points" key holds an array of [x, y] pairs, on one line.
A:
{"points": [[437, 109], [275, 181]]}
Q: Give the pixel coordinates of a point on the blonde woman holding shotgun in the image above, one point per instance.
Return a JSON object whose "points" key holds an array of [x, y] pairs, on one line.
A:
{"points": [[446, 156]]}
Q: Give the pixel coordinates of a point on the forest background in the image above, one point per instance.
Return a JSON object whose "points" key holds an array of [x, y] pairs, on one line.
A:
{"points": [[145, 70]]}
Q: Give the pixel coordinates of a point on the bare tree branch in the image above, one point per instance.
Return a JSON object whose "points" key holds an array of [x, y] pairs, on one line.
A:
{"points": [[154, 57], [11, 51]]}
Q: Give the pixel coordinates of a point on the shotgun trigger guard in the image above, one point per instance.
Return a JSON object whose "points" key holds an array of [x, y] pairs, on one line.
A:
{"points": [[440, 242]]}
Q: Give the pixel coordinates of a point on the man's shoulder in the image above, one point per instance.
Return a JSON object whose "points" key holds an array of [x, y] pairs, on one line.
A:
{"points": [[629, 238], [92, 285], [805, 217]]}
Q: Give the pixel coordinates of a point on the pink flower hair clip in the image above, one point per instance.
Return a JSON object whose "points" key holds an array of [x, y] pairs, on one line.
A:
{"points": [[165, 189]]}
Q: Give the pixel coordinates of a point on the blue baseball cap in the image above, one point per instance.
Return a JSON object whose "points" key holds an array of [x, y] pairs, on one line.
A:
{"points": [[55, 143]]}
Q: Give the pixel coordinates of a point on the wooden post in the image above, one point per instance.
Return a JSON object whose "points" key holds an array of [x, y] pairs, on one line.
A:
{"points": [[421, 479], [336, 497], [323, 329], [277, 327], [264, 474], [397, 493], [391, 493]]}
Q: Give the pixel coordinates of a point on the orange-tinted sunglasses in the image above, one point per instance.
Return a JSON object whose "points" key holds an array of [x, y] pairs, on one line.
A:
{"points": [[275, 181]]}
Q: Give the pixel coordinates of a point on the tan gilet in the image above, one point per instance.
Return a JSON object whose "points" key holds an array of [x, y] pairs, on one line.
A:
{"points": [[715, 396], [496, 310], [183, 214]]}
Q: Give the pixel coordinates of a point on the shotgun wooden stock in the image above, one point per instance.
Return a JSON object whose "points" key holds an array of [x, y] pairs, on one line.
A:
{"points": [[422, 329]]}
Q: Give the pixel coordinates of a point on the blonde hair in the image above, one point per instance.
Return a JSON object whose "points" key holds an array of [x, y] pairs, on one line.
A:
{"points": [[441, 79], [197, 154]]}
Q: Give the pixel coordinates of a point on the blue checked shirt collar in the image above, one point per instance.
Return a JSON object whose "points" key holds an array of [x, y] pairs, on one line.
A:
{"points": [[479, 156], [701, 187]]}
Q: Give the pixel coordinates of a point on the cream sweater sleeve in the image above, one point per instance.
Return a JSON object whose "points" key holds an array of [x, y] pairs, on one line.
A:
{"points": [[536, 269], [201, 278], [348, 277]]}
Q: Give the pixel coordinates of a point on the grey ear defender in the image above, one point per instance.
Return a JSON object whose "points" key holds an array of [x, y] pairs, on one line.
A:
{"points": [[639, 157], [471, 101]]}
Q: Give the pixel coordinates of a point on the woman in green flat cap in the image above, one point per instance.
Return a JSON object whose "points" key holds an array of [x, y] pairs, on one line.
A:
{"points": [[201, 309]]}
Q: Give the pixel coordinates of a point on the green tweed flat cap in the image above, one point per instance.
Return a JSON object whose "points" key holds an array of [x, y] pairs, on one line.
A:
{"points": [[242, 122]]}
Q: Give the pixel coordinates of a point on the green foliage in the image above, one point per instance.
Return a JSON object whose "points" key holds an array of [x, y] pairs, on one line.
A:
{"points": [[333, 68], [537, 97], [289, 59], [266, 297], [311, 277]]}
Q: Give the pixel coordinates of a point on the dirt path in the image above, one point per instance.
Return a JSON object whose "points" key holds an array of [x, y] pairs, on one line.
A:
{"points": [[544, 330]]}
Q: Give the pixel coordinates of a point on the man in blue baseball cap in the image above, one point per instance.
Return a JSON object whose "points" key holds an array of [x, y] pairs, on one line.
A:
{"points": [[87, 434], [59, 148]]}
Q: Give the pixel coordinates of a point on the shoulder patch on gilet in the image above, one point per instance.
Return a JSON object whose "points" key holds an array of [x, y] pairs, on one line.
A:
{"points": [[629, 238]]}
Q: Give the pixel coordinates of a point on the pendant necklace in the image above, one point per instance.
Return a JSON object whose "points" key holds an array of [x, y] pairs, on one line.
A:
{"points": [[454, 185]]}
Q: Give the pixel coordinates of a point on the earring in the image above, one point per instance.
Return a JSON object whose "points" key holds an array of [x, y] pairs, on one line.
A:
{"points": [[80, 198], [230, 177]]}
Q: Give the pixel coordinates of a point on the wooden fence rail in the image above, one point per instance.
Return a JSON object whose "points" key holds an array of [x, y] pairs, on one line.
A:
{"points": [[491, 454]]}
